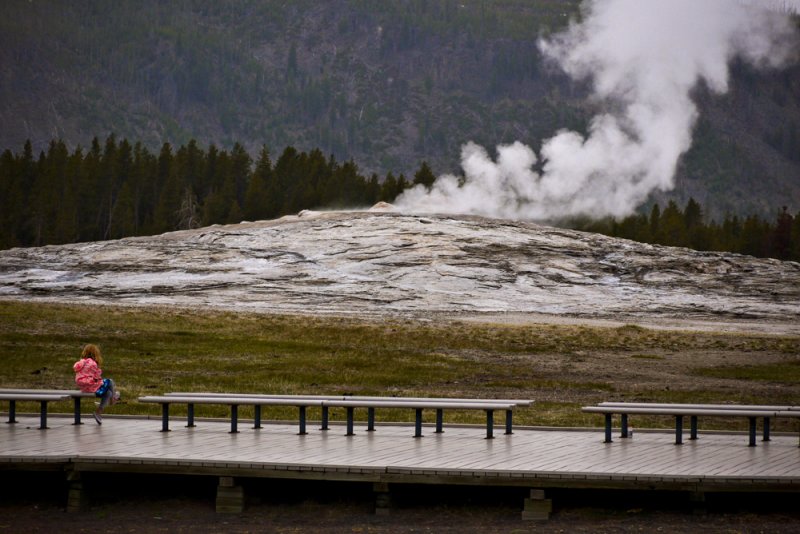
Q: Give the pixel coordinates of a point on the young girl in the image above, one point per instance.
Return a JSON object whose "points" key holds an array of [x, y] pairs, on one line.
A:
{"points": [[88, 377]]}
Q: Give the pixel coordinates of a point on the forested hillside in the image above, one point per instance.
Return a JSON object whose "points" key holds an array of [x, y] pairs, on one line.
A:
{"points": [[387, 84]]}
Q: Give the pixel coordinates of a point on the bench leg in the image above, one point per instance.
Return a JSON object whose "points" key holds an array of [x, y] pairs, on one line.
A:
{"points": [[257, 416], [302, 417], [766, 429], [190, 415], [370, 419], [509, 422], [489, 424], [678, 430], [350, 411], [439, 420], [608, 428], [752, 432], [234, 419], [693, 423], [165, 417], [12, 411], [42, 415], [324, 418], [418, 423], [623, 423], [76, 409]]}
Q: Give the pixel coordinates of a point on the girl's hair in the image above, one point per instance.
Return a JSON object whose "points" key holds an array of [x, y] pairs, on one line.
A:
{"points": [[93, 352]]}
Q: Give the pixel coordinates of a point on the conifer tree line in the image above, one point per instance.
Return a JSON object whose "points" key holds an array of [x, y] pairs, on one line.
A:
{"points": [[687, 227], [115, 189]]}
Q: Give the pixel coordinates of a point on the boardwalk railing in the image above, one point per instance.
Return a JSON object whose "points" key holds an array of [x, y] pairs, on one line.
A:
{"points": [[693, 411], [350, 403]]}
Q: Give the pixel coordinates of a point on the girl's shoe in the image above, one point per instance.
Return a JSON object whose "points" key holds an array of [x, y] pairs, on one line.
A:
{"points": [[98, 418]]}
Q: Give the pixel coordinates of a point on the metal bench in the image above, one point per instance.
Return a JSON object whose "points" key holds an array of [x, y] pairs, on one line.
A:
{"points": [[422, 404], [42, 399], [371, 409], [75, 394], [748, 407], [692, 411], [234, 401]]}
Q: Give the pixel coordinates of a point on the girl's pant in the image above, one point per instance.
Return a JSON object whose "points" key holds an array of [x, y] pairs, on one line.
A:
{"points": [[107, 394]]}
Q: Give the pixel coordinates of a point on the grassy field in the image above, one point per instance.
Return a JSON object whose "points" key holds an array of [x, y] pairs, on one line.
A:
{"points": [[151, 351]]}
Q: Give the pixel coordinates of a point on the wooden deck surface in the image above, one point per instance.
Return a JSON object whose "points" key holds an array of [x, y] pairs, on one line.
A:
{"points": [[530, 457]]}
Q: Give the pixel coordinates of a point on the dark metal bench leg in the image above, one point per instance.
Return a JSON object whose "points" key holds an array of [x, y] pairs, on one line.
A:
{"points": [[439, 420], [42, 415], [752, 432], [324, 418], [234, 419], [190, 415], [766, 429], [257, 416], [418, 423], [350, 411], [624, 425], [302, 431], [509, 422], [12, 411], [489, 424], [693, 431], [76, 408], [608, 428], [165, 417], [370, 419], [678, 430]]}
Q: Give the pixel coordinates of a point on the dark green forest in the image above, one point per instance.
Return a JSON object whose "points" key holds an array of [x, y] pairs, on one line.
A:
{"points": [[116, 189], [385, 83]]}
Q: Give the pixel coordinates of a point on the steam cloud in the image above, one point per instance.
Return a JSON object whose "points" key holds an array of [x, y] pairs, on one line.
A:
{"points": [[643, 59]]}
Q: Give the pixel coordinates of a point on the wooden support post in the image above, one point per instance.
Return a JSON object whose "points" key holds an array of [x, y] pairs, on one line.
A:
{"points": [[439, 420], [371, 419], [302, 424], [693, 432], [383, 499], [678, 430], [230, 497], [766, 430], [698, 502], [76, 497], [624, 426], [537, 507], [608, 428]]}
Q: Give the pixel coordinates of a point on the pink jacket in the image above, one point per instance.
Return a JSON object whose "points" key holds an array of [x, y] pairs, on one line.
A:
{"points": [[88, 375]]}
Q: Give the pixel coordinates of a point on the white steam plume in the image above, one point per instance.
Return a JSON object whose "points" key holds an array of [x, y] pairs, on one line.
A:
{"points": [[643, 58]]}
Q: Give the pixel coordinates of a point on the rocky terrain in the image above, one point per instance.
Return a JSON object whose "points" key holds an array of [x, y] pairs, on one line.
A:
{"points": [[379, 262]]}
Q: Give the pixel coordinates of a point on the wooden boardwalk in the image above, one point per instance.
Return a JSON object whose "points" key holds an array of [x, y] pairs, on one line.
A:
{"points": [[535, 458]]}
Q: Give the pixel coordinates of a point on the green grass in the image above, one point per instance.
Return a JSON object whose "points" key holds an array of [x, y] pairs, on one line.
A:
{"points": [[787, 372], [151, 351]]}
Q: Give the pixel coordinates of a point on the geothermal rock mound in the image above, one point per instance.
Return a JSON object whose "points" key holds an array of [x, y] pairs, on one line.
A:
{"points": [[382, 263]]}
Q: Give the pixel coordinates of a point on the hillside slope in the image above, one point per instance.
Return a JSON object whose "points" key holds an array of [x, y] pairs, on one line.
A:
{"points": [[376, 264], [388, 84]]}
